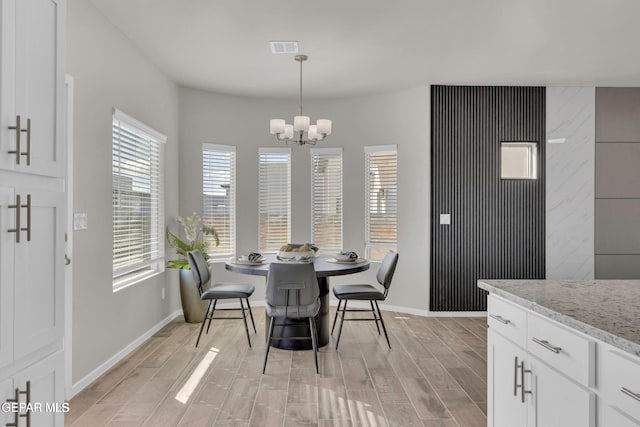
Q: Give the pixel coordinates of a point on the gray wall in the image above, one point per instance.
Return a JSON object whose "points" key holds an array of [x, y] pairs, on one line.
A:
{"points": [[105, 322], [400, 118], [570, 183], [617, 230]]}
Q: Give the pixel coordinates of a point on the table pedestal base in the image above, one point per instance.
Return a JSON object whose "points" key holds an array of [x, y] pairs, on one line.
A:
{"points": [[300, 327]]}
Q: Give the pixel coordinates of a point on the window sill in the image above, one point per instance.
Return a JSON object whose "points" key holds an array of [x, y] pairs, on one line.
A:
{"points": [[124, 283]]}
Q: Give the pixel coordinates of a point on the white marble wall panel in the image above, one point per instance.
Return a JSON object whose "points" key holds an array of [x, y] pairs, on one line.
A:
{"points": [[570, 180]]}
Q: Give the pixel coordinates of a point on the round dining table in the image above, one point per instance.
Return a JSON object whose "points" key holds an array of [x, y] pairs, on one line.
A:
{"points": [[325, 267]]}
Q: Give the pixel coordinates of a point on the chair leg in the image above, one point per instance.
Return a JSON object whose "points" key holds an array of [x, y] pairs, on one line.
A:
{"points": [[336, 316], [383, 327], [244, 318], [344, 310], [203, 322], [251, 314], [314, 340], [213, 310], [266, 352], [375, 316]]}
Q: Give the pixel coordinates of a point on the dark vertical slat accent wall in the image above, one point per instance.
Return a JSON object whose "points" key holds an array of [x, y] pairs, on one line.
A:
{"points": [[497, 226]]}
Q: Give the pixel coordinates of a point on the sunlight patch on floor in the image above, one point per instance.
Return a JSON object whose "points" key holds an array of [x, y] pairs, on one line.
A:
{"points": [[187, 390]]}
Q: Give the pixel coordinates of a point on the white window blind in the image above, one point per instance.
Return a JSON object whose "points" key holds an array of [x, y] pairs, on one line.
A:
{"points": [[274, 208], [326, 198], [138, 205], [381, 216], [219, 197]]}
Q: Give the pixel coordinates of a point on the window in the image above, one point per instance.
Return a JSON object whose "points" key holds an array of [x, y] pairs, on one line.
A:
{"points": [[274, 208], [219, 197], [326, 198], [138, 206], [518, 160], [381, 168]]}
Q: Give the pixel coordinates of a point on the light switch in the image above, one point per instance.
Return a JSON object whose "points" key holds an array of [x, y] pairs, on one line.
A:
{"points": [[445, 219], [80, 221]]}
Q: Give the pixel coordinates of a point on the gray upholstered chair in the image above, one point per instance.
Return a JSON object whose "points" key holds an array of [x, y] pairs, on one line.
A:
{"points": [[202, 277], [292, 293], [367, 293]]}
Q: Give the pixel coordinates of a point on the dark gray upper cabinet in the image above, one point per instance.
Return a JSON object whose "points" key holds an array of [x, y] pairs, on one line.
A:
{"points": [[618, 170], [617, 114]]}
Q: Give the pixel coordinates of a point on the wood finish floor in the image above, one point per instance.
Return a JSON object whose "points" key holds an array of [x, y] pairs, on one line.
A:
{"points": [[434, 375]]}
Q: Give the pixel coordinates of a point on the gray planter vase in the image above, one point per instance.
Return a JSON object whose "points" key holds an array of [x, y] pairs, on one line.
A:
{"points": [[192, 306]]}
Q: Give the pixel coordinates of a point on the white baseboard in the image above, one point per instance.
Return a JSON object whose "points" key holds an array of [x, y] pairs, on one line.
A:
{"points": [[111, 362]]}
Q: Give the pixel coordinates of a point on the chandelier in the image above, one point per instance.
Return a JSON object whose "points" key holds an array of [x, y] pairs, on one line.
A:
{"points": [[296, 133]]}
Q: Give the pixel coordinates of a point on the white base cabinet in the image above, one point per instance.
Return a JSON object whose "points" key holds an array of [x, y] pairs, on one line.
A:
{"points": [[42, 386], [559, 402], [540, 374], [505, 404]]}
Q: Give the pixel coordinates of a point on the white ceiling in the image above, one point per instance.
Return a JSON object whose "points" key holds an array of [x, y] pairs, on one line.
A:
{"points": [[369, 46]]}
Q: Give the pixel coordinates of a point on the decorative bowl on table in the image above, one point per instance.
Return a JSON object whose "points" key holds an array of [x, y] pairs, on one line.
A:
{"points": [[346, 256], [293, 250]]}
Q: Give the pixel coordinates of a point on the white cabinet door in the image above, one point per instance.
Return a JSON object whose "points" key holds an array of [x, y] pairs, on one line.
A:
{"points": [[32, 35], [505, 405], [39, 274], [8, 392], [46, 383], [559, 402], [7, 239], [614, 418]]}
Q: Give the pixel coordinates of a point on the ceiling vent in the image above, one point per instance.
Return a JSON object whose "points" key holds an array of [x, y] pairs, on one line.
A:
{"points": [[279, 47]]}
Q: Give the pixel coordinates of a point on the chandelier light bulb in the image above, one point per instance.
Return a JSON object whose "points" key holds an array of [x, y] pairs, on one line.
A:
{"points": [[301, 123], [277, 126], [288, 131], [324, 127], [313, 133]]}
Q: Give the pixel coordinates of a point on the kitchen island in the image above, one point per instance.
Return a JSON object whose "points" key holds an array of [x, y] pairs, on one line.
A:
{"points": [[563, 353]]}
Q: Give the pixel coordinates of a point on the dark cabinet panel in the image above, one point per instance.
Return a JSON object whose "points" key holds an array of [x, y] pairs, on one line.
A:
{"points": [[617, 226], [617, 112], [618, 267], [618, 170]]}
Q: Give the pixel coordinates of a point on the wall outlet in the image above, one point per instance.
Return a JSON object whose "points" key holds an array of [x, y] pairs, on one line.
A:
{"points": [[162, 293]]}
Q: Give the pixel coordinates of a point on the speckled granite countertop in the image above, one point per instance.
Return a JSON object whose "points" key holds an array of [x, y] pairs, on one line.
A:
{"points": [[608, 310]]}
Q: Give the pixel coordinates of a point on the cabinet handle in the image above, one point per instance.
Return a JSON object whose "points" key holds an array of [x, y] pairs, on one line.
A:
{"points": [[18, 130], [27, 393], [18, 206], [28, 152], [631, 394], [18, 229], [500, 319], [15, 414], [546, 345], [515, 378], [522, 372], [28, 227]]}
